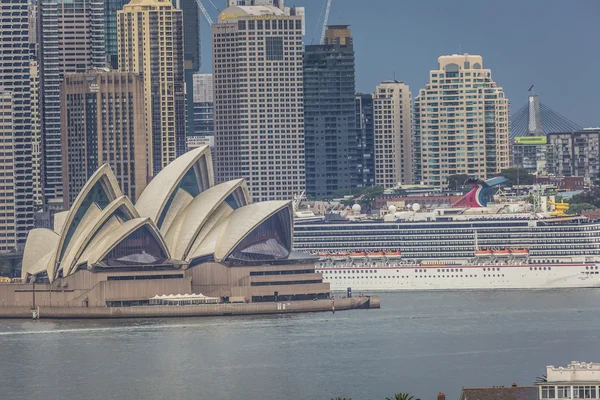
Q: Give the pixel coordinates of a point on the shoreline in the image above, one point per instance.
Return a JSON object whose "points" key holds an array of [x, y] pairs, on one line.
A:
{"points": [[203, 310]]}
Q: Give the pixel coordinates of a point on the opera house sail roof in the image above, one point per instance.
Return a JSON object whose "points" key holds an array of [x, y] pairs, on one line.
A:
{"points": [[181, 219]]}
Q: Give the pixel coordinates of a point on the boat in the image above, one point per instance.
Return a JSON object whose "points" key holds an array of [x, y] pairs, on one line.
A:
{"points": [[492, 247]]}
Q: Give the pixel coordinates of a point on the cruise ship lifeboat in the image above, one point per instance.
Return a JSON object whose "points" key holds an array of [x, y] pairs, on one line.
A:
{"points": [[393, 254], [376, 254], [323, 255], [483, 253], [519, 252], [360, 254], [338, 256], [503, 252]]}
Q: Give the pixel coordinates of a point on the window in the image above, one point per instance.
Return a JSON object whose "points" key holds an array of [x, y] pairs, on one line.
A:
{"points": [[274, 48], [564, 392], [584, 392], [548, 392]]}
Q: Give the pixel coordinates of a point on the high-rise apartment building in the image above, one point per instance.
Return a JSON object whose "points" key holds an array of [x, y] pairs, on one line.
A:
{"points": [[461, 122], [392, 116], [330, 146], [36, 134], [574, 154], [72, 40], [258, 94], [204, 106], [365, 139], [191, 50], [8, 198], [110, 30], [103, 122], [16, 211], [151, 45]]}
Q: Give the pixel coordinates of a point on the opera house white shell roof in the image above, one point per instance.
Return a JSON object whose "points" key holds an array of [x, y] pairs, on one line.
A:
{"points": [[181, 219]]}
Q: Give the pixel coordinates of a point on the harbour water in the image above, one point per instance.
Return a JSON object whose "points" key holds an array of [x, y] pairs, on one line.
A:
{"points": [[418, 342]]}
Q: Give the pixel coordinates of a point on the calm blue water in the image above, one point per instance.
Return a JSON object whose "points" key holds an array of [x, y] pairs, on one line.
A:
{"points": [[420, 342]]}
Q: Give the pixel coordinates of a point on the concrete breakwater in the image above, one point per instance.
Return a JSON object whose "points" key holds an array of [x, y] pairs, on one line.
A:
{"points": [[193, 310]]}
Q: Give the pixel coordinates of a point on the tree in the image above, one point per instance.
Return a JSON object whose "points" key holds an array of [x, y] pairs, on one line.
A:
{"points": [[589, 196], [541, 379], [341, 398], [517, 176], [576, 209], [457, 182], [401, 396]]}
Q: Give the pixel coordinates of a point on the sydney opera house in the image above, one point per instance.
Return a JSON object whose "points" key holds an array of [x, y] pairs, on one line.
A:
{"points": [[184, 235]]}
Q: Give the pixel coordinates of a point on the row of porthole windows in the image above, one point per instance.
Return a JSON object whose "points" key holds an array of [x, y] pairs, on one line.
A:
{"points": [[539, 268], [591, 267]]}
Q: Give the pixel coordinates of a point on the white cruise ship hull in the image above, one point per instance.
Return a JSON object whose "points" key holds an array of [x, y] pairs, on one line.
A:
{"points": [[525, 276]]}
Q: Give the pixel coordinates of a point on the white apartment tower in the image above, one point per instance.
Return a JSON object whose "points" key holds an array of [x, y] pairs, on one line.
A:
{"points": [[258, 96], [461, 123], [392, 107]]}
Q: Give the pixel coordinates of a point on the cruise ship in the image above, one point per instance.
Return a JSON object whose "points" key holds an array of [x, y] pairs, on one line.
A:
{"points": [[498, 246]]}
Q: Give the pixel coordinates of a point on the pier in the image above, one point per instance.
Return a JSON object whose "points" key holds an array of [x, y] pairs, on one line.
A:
{"points": [[202, 310]]}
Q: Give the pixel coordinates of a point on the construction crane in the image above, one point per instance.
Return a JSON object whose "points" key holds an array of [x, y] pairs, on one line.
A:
{"points": [[325, 20], [203, 9], [210, 21]]}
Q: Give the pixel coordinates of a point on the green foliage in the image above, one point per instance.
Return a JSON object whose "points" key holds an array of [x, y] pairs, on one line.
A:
{"points": [[578, 208], [589, 196], [364, 196], [541, 379], [457, 182], [341, 398], [401, 396], [517, 176]]}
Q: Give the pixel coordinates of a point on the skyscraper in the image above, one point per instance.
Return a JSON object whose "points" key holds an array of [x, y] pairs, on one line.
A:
{"points": [[36, 134], [191, 50], [204, 106], [329, 114], [392, 116], [16, 214], [151, 45], [110, 30], [257, 71], [72, 40], [102, 119], [461, 122], [365, 140]]}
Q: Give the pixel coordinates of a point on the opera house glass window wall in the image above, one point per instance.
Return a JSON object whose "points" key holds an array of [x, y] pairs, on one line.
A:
{"points": [[182, 224]]}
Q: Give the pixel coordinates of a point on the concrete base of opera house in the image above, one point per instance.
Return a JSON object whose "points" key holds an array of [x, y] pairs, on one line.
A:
{"points": [[204, 310]]}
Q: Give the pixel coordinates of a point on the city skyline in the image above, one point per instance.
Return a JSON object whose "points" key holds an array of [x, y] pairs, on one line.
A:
{"points": [[395, 43]]}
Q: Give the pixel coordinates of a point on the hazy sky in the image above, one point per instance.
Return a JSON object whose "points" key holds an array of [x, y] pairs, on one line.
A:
{"points": [[552, 44]]}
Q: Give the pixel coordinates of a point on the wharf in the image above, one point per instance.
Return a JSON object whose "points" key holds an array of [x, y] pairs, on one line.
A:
{"points": [[202, 310]]}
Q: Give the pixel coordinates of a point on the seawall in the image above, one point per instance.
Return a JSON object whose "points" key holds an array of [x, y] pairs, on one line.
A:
{"points": [[203, 310]]}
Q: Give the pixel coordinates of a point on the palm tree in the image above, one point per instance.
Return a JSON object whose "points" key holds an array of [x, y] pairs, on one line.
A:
{"points": [[341, 398], [401, 396], [541, 379]]}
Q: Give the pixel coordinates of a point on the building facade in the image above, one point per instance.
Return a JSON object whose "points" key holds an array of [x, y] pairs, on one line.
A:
{"points": [[203, 106], [102, 121], [258, 94], [330, 134], [191, 46], [72, 41], [16, 215], [151, 44], [578, 380], [574, 154], [110, 30], [8, 198], [392, 116], [365, 139], [461, 123], [36, 134]]}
